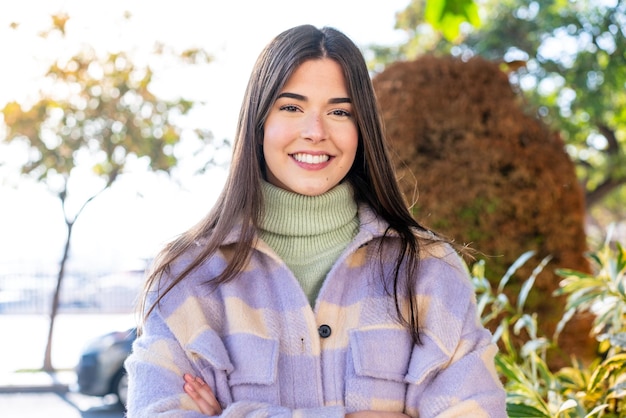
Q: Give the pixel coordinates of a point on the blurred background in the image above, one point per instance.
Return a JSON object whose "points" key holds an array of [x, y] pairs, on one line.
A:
{"points": [[130, 221], [507, 120]]}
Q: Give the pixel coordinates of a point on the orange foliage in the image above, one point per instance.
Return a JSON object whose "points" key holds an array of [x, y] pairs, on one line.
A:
{"points": [[488, 174]]}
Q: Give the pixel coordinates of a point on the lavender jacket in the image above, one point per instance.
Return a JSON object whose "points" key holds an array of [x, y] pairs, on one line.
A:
{"points": [[266, 353]]}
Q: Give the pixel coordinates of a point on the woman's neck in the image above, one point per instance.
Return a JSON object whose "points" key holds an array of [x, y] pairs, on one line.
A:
{"points": [[309, 232]]}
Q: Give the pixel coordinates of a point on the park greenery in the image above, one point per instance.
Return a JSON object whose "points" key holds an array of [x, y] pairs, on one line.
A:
{"points": [[595, 388], [568, 60], [99, 115], [97, 118]]}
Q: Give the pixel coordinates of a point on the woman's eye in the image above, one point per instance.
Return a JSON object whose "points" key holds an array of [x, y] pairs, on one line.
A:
{"points": [[289, 108], [341, 112]]}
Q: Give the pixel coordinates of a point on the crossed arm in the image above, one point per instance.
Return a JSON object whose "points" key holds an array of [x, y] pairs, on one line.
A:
{"points": [[203, 396]]}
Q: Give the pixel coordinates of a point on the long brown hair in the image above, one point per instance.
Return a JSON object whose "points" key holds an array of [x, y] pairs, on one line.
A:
{"points": [[240, 204]]}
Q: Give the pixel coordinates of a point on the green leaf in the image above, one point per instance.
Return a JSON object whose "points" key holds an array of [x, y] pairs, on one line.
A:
{"points": [[611, 364], [529, 283], [478, 269], [497, 334], [448, 15], [568, 404], [572, 377], [584, 297], [521, 260], [534, 346], [523, 411], [572, 273], [509, 370], [525, 321], [621, 257], [574, 284], [569, 314], [596, 410], [434, 12], [545, 372]]}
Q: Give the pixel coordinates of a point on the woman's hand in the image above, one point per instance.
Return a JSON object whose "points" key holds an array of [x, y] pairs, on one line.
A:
{"points": [[376, 414], [202, 395]]}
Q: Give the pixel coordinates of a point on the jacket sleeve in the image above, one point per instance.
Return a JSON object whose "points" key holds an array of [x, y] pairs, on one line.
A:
{"points": [[159, 360], [452, 373]]}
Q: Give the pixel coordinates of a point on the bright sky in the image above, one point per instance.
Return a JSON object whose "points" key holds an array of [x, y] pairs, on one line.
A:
{"points": [[136, 217]]}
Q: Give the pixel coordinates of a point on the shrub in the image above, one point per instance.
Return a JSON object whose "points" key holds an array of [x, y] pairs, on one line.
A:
{"points": [[593, 389], [483, 170]]}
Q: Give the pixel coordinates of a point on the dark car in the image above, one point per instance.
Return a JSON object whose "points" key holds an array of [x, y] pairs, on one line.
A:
{"points": [[100, 370]]}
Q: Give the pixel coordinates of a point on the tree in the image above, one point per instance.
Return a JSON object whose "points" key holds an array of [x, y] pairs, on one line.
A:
{"points": [[426, 23], [488, 174], [96, 112], [574, 76], [568, 59]]}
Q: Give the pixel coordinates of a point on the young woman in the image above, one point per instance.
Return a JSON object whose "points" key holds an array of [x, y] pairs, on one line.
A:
{"points": [[309, 290]]}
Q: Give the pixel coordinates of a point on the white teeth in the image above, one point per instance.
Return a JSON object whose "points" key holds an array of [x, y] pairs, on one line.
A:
{"points": [[311, 159]]}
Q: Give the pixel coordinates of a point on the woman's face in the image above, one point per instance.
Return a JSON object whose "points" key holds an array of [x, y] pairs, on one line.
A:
{"points": [[310, 137]]}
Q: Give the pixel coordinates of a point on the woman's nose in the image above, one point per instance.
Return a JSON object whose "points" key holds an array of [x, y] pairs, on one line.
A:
{"points": [[313, 128]]}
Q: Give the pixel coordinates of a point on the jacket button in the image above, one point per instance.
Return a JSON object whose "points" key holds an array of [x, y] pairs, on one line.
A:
{"points": [[324, 331]]}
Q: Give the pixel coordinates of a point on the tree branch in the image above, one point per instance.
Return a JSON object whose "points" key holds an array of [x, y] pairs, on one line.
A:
{"points": [[611, 182], [609, 134], [596, 195]]}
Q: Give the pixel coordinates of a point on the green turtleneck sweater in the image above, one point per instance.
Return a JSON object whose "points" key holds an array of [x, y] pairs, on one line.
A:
{"points": [[309, 232]]}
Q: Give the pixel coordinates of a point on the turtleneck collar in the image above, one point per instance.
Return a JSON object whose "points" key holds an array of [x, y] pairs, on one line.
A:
{"points": [[292, 214]]}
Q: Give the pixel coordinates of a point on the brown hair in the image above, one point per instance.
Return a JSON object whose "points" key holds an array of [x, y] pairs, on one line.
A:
{"points": [[240, 204]]}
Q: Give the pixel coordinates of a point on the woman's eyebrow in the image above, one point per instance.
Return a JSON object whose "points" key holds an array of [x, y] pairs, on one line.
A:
{"points": [[340, 100], [302, 98], [292, 96]]}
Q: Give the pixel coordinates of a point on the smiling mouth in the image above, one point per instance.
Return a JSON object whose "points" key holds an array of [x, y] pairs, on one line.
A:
{"points": [[311, 159]]}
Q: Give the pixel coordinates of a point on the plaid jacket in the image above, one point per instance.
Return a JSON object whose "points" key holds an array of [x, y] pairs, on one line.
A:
{"points": [[266, 353]]}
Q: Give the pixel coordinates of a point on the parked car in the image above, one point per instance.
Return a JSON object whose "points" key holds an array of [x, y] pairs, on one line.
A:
{"points": [[100, 370]]}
